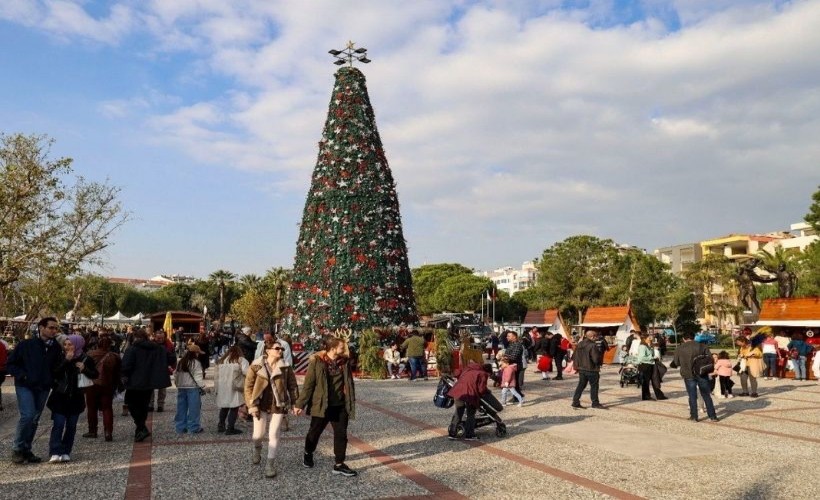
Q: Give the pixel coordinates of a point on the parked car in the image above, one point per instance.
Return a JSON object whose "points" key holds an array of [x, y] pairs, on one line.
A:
{"points": [[707, 338]]}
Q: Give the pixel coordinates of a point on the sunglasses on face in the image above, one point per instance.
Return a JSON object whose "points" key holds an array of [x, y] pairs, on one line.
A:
{"points": [[276, 348]]}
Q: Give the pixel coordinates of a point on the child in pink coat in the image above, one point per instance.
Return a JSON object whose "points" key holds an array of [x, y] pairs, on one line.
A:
{"points": [[723, 369], [508, 374]]}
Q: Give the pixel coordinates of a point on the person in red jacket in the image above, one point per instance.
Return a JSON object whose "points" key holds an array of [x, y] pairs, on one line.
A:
{"points": [[467, 392]]}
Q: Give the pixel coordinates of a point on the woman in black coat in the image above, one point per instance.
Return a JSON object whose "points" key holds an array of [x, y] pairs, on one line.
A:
{"points": [[67, 400]]}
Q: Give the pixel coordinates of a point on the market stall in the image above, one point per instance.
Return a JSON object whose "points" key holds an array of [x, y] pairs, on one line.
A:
{"points": [[549, 319], [614, 323], [788, 318]]}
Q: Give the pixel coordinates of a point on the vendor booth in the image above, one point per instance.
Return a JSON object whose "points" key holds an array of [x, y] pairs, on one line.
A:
{"points": [[614, 323], [192, 323], [546, 320], [789, 317]]}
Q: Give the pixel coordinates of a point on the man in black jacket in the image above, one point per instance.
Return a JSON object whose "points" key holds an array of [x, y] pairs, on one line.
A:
{"points": [[557, 353], [32, 363], [685, 355], [144, 368], [587, 360], [515, 351]]}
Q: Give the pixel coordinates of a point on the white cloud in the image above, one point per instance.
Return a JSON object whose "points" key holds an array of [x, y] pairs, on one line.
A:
{"points": [[516, 116]]}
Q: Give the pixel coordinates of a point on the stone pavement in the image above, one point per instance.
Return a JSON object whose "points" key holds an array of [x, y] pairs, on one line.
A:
{"points": [[762, 448]]}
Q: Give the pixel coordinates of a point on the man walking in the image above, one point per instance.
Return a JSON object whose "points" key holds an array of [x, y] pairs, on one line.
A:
{"points": [[587, 360], [328, 395], [32, 363], [161, 338], [144, 368], [684, 358], [557, 352]]}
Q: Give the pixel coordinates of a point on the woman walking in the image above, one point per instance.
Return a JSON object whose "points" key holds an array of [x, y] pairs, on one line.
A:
{"points": [[270, 389], [646, 366], [66, 401], [229, 385], [189, 381], [100, 396]]}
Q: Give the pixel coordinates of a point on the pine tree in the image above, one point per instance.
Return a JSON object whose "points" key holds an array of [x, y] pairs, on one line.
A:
{"points": [[351, 269]]}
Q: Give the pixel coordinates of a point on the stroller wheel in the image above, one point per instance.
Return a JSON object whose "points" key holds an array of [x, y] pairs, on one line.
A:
{"points": [[622, 384], [500, 430], [460, 431]]}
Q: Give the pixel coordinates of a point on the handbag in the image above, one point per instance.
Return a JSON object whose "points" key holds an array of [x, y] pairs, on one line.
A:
{"points": [[83, 381], [736, 368]]}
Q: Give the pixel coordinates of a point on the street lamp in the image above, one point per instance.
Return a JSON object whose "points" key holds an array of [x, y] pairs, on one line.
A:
{"points": [[101, 295], [349, 54]]}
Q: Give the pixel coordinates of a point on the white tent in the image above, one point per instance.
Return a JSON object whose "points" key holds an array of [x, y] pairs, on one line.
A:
{"points": [[118, 318], [22, 317], [137, 317]]}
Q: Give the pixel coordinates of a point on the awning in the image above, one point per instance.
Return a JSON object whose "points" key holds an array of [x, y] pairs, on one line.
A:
{"points": [[790, 322]]}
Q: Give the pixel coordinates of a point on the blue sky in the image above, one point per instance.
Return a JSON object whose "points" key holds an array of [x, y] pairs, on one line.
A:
{"points": [[509, 125]]}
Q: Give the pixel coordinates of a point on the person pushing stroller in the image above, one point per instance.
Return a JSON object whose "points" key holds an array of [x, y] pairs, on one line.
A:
{"points": [[467, 392]]}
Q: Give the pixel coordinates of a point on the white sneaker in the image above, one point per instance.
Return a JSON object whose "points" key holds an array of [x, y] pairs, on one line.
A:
{"points": [[55, 459], [65, 458], [521, 403], [730, 396]]}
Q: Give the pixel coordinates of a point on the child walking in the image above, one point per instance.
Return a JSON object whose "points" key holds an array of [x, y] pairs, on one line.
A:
{"points": [[723, 368], [508, 374]]}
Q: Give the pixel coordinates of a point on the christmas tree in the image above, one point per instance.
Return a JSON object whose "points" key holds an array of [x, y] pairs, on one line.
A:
{"points": [[351, 269]]}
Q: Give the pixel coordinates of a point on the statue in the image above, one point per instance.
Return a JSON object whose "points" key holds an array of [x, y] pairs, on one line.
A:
{"points": [[746, 279], [786, 282]]}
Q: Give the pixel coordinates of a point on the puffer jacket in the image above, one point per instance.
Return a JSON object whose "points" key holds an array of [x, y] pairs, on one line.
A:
{"points": [[284, 383], [471, 385], [66, 398], [145, 366], [314, 395]]}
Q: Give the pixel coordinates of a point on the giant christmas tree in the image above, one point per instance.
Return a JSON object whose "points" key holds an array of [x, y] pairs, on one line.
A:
{"points": [[351, 269]]}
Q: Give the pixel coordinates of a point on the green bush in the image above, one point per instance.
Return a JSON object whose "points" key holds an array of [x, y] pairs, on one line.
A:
{"points": [[444, 352], [370, 361]]}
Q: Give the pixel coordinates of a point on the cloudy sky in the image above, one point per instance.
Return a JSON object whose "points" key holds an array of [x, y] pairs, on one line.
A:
{"points": [[509, 125]]}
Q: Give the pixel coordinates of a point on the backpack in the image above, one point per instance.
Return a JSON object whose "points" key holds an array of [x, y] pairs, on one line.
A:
{"points": [[442, 397], [702, 365]]}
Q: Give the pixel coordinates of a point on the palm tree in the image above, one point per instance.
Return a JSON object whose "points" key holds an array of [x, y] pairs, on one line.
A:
{"points": [[250, 281], [278, 279], [220, 277]]}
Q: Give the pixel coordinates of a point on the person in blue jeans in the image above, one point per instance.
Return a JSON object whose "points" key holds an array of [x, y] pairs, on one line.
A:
{"points": [[31, 364], [684, 356], [67, 400], [189, 380], [802, 350]]}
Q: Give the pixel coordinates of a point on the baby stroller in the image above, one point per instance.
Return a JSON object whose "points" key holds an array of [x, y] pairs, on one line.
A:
{"points": [[629, 372], [486, 414]]}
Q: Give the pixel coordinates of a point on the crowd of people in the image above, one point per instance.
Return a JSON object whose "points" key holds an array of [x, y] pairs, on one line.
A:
{"points": [[72, 374]]}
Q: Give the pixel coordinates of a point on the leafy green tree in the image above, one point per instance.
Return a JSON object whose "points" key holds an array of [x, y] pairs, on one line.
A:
{"points": [[645, 283], [460, 293], [813, 217], [574, 274], [428, 278], [808, 284], [533, 298], [712, 283], [509, 308], [248, 281], [52, 224], [276, 282], [253, 309]]}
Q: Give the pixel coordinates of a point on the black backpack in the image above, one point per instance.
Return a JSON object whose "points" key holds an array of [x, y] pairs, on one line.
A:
{"points": [[442, 398], [702, 365]]}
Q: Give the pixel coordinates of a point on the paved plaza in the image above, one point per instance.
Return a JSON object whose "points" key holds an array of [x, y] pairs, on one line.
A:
{"points": [[762, 448]]}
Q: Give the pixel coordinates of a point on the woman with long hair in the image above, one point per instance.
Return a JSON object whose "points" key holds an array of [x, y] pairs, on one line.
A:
{"points": [[100, 396], [751, 359], [189, 381], [270, 390], [229, 385]]}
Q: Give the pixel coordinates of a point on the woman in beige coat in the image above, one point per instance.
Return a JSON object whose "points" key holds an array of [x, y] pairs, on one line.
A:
{"points": [[751, 359], [270, 390]]}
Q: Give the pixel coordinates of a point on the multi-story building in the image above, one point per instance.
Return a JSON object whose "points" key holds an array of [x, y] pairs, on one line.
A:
{"points": [[679, 257], [510, 279]]}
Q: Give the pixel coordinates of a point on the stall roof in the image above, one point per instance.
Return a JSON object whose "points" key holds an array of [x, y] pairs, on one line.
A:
{"points": [[540, 318], [603, 317], [790, 312], [601, 325]]}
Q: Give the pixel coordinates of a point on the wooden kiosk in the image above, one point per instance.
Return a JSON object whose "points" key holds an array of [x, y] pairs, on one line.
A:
{"points": [[549, 319], [192, 323], [614, 323], [787, 317]]}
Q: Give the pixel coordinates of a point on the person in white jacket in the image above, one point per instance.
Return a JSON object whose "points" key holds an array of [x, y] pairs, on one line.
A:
{"points": [[815, 364], [189, 381], [229, 386]]}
